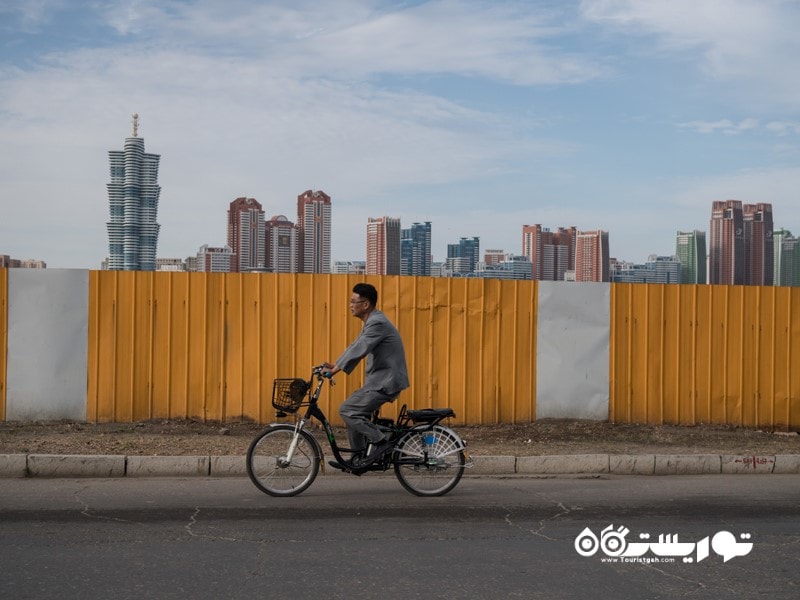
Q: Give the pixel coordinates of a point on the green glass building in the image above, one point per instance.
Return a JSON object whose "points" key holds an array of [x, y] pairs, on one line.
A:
{"points": [[690, 248], [787, 258]]}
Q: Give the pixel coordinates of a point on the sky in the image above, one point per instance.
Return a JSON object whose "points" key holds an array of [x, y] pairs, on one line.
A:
{"points": [[630, 116]]}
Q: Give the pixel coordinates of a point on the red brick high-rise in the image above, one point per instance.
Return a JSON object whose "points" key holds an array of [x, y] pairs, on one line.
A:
{"points": [[551, 253], [726, 258], [314, 232], [592, 262], [383, 246], [758, 245], [246, 235]]}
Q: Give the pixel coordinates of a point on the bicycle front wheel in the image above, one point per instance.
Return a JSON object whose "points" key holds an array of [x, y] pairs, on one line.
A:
{"points": [[430, 462], [271, 468]]}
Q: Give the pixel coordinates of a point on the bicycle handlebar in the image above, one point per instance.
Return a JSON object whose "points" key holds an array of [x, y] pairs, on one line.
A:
{"points": [[320, 371]]}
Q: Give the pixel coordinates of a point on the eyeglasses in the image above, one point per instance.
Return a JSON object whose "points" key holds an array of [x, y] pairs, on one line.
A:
{"points": [[357, 301]]}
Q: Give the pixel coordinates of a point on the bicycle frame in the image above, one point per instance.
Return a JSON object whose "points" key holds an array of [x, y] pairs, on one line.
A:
{"points": [[314, 411]]}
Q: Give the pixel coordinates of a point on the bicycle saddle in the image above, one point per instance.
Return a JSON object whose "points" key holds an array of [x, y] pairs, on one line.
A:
{"points": [[430, 414]]}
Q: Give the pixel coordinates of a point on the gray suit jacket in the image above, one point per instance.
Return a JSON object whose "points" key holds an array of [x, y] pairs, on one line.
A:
{"points": [[380, 342]]}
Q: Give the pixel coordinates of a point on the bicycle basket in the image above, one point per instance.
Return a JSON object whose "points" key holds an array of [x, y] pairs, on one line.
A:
{"points": [[288, 394]]}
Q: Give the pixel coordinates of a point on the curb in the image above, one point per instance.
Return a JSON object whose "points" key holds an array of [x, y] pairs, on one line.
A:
{"points": [[53, 465]]}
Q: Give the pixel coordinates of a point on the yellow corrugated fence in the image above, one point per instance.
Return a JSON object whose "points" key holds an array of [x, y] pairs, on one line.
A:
{"points": [[690, 354], [208, 346]]}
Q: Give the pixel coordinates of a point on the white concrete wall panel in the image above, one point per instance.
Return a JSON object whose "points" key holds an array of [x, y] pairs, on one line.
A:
{"points": [[47, 344], [572, 350]]}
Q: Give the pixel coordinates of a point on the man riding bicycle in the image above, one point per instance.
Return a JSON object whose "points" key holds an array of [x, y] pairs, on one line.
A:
{"points": [[386, 375]]}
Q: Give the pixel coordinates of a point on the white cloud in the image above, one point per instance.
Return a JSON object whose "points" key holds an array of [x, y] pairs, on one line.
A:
{"points": [[133, 17], [783, 127], [28, 15], [449, 111], [750, 43], [725, 126], [341, 40]]}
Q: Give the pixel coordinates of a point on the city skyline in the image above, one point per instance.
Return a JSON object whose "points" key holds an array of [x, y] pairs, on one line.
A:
{"points": [[741, 240], [478, 116], [283, 235], [552, 253]]}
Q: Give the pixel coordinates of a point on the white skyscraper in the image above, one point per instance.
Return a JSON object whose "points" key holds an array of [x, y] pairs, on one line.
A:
{"points": [[133, 206], [281, 245]]}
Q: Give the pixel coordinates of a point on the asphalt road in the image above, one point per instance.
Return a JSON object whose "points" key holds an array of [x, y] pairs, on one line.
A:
{"points": [[368, 538]]}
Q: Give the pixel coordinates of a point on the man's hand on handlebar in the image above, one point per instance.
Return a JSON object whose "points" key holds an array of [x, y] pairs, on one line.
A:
{"points": [[327, 370]]}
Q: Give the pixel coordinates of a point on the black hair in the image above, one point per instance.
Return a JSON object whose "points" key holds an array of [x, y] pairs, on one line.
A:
{"points": [[367, 291]]}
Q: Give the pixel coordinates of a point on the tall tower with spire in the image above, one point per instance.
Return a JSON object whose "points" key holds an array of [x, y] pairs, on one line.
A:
{"points": [[133, 193]]}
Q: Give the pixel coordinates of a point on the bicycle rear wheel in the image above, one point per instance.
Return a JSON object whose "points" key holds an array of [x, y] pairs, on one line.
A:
{"points": [[269, 468], [431, 462]]}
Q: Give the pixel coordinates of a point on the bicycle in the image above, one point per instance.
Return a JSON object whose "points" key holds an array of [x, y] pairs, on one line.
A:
{"points": [[284, 459]]}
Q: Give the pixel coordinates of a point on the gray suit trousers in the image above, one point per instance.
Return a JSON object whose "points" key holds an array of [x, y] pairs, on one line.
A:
{"points": [[356, 412]]}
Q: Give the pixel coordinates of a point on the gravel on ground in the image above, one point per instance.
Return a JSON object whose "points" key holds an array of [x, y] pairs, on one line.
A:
{"points": [[548, 437]]}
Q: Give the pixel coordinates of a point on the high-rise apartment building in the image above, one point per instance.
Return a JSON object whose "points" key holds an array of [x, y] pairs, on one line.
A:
{"points": [[591, 256], [758, 244], [383, 246], [690, 248], [508, 267], [463, 257], [741, 249], [246, 235], [726, 243], [415, 250], [787, 258], [6, 262], [657, 269], [214, 260], [314, 232], [133, 193], [551, 253], [349, 267], [281, 235], [406, 252], [493, 257]]}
